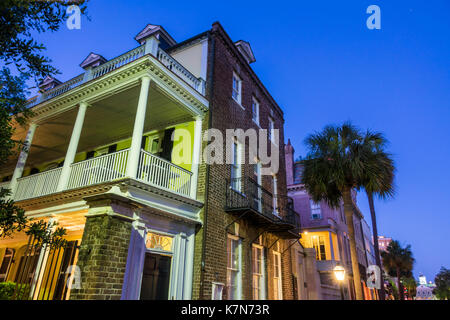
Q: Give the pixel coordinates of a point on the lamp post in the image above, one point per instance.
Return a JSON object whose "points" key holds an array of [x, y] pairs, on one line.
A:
{"points": [[339, 273]]}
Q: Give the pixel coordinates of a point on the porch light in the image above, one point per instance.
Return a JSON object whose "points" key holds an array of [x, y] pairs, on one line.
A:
{"points": [[339, 272]]}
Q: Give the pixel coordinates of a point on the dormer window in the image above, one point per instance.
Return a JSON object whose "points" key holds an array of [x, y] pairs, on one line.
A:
{"points": [[237, 86]]}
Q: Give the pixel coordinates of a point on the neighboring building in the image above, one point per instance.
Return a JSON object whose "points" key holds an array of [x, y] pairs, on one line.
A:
{"points": [[144, 220], [383, 242], [325, 229]]}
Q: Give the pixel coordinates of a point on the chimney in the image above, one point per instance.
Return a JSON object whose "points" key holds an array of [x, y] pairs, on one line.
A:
{"points": [[289, 158]]}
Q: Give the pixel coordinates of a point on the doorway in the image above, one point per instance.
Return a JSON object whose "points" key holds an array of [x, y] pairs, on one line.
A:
{"points": [[156, 277]]}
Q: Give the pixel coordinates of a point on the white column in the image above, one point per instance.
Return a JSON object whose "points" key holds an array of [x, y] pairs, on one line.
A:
{"points": [[138, 130], [73, 146], [196, 155], [22, 159]]}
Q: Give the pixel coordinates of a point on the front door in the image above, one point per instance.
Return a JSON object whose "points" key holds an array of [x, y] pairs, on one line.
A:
{"points": [[156, 276]]}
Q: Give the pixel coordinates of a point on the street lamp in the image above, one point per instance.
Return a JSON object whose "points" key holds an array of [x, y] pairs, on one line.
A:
{"points": [[339, 273]]}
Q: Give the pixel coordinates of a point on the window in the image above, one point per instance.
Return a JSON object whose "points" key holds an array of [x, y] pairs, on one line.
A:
{"points": [[255, 111], [277, 288], [237, 86], [258, 270], [275, 197], [236, 167], [318, 243], [233, 268], [316, 211], [257, 196], [6, 263], [158, 242], [270, 130]]}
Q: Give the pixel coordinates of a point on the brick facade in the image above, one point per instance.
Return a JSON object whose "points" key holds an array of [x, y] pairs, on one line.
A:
{"points": [[211, 265], [103, 253]]}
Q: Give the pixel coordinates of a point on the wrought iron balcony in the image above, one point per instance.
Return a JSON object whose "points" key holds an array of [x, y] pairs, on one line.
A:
{"points": [[274, 213]]}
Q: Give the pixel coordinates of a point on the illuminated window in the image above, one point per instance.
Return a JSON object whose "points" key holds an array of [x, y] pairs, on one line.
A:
{"points": [[258, 270], [233, 268], [158, 242], [318, 243], [277, 288], [236, 167]]}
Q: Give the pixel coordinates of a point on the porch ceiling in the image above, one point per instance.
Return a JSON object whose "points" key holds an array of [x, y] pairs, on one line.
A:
{"points": [[107, 120]]}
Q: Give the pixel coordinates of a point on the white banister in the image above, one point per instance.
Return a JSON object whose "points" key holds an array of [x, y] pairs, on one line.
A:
{"points": [[22, 159], [177, 68], [164, 174], [101, 169], [118, 62], [196, 155], [73, 146], [37, 185], [138, 128]]}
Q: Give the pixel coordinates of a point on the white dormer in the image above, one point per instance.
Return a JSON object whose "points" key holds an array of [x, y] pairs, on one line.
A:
{"points": [[48, 83], [245, 49], [92, 60], [164, 38]]}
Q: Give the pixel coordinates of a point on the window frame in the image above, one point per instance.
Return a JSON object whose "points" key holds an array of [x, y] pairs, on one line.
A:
{"points": [[255, 107], [236, 92], [237, 295], [260, 277], [314, 206], [277, 278]]}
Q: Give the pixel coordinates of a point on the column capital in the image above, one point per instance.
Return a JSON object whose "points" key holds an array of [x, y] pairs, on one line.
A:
{"points": [[145, 78], [199, 117]]}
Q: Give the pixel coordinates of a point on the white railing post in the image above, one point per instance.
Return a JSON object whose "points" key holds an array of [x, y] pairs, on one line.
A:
{"points": [[22, 159], [196, 155], [88, 75], [138, 130], [73, 146], [151, 46]]}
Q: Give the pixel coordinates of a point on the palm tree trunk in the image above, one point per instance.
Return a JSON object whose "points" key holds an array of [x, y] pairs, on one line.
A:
{"points": [[399, 286], [348, 210], [381, 292]]}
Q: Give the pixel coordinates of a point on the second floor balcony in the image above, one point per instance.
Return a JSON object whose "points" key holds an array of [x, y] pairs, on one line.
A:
{"points": [[126, 122], [274, 213]]}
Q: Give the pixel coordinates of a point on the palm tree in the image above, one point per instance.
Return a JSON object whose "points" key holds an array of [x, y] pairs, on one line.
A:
{"points": [[398, 262], [379, 182], [340, 160]]}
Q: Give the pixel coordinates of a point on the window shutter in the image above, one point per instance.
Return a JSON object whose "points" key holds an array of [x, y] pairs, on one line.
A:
{"points": [[167, 144]]}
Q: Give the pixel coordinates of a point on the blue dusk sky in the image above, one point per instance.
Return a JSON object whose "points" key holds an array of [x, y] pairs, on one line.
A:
{"points": [[323, 65]]}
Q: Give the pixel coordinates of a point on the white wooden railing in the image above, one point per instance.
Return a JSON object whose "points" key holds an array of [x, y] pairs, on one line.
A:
{"points": [[163, 174], [118, 62], [36, 185], [153, 170], [177, 68], [172, 64], [105, 168], [4, 185]]}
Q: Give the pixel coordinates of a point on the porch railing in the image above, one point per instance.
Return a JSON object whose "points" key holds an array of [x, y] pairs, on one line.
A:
{"points": [[164, 174], [177, 68], [4, 185], [36, 185], [167, 60], [105, 168]]}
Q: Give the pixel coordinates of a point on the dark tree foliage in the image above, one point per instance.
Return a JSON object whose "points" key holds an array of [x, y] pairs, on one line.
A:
{"points": [[442, 281], [22, 60]]}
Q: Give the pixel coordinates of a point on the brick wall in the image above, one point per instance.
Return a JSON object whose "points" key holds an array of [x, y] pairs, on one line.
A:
{"points": [[102, 257], [227, 114]]}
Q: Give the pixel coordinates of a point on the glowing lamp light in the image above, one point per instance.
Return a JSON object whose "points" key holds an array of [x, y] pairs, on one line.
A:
{"points": [[339, 272]]}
